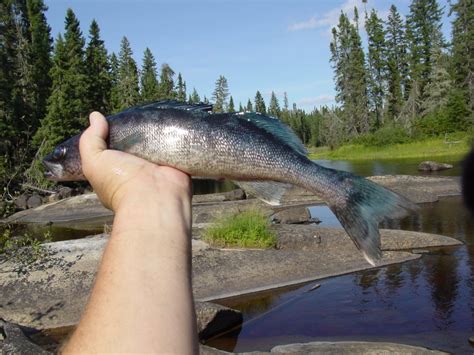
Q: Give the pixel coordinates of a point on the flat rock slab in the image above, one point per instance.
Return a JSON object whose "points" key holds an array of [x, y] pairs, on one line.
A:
{"points": [[53, 292]]}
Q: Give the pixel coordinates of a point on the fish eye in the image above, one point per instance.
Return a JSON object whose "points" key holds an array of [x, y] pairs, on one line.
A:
{"points": [[59, 153]]}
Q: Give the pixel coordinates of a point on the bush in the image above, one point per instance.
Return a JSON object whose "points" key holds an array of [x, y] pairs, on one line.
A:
{"points": [[249, 229], [384, 136]]}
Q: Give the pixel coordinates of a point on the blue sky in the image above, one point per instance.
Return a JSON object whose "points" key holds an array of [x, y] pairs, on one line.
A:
{"points": [[279, 45]]}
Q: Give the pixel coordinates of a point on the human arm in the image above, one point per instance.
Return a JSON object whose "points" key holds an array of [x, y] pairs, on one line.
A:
{"points": [[142, 297]]}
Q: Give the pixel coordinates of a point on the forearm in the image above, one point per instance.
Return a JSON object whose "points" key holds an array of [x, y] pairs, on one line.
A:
{"points": [[142, 298]]}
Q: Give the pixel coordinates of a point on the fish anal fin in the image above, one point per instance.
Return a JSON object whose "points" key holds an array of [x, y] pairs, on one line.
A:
{"points": [[270, 192]]}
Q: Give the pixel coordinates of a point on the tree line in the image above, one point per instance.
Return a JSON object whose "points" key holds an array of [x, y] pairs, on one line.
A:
{"points": [[407, 80]]}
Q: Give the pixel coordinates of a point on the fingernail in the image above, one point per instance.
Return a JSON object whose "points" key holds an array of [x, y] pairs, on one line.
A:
{"points": [[93, 117]]}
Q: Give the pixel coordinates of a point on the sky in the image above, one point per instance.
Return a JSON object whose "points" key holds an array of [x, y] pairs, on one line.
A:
{"points": [[265, 45]]}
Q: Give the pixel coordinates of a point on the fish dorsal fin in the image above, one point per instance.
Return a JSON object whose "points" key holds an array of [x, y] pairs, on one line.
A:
{"points": [[270, 192], [164, 104], [275, 127]]}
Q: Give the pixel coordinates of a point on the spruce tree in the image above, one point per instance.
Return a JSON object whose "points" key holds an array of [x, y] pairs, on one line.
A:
{"points": [[260, 103], [241, 108], [285, 101], [115, 101], [220, 94], [249, 107], [205, 100], [377, 66], [127, 85], [274, 106], [181, 89], [149, 88], [99, 83], [166, 87], [231, 107], [194, 97], [463, 48], [67, 105]]}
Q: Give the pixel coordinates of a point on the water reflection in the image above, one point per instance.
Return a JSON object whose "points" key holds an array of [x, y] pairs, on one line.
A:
{"points": [[427, 302]]}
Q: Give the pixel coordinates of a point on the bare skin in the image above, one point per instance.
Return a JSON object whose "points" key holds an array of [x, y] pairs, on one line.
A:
{"points": [[142, 299]]}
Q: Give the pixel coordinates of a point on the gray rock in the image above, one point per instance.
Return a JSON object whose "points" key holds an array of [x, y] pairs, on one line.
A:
{"points": [[433, 166], [65, 192], [351, 347], [235, 195], [293, 215], [16, 342], [34, 201], [21, 202], [213, 319], [53, 198]]}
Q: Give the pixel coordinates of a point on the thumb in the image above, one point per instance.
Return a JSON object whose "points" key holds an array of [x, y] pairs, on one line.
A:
{"points": [[93, 140]]}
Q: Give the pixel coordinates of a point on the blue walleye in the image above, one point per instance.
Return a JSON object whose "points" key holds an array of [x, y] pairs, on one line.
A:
{"points": [[259, 153]]}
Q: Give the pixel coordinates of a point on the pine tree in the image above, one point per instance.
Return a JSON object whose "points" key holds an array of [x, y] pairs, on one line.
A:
{"points": [[249, 107], [463, 48], [260, 103], [148, 80], [166, 87], [194, 97], [274, 106], [99, 82], [205, 100], [397, 63], [241, 108], [423, 24], [220, 94], [127, 85], [181, 89], [67, 105], [285, 101], [115, 101], [377, 65], [231, 107]]}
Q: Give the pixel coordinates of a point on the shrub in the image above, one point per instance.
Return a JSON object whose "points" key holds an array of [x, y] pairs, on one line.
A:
{"points": [[384, 136]]}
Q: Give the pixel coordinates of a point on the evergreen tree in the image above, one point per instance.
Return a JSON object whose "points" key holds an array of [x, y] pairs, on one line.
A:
{"points": [[397, 63], [220, 94], [249, 107], [67, 105], [194, 97], [285, 101], [423, 24], [348, 61], [274, 106], [377, 65], [205, 100], [127, 85], [181, 89], [166, 87], [99, 82], [231, 107], [148, 80], [463, 48], [241, 108], [115, 101], [260, 103]]}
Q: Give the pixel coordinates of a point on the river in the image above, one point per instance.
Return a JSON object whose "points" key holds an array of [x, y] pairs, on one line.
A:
{"points": [[427, 302]]}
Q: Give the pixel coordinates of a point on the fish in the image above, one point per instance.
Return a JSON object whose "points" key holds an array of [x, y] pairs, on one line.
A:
{"points": [[259, 153]]}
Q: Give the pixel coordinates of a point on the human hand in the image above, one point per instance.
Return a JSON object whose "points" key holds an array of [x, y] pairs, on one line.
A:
{"points": [[117, 176]]}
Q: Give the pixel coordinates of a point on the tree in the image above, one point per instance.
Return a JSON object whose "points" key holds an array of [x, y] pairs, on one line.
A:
{"points": [[231, 106], [205, 100], [115, 101], [397, 64], [127, 84], [260, 103], [377, 67], [181, 89], [285, 101], [463, 48], [348, 62], [274, 106], [241, 108], [166, 87], [99, 82], [194, 97], [220, 94], [249, 107], [423, 24], [148, 81]]}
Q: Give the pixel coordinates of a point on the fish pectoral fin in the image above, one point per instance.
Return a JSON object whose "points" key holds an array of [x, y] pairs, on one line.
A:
{"points": [[270, 192]]}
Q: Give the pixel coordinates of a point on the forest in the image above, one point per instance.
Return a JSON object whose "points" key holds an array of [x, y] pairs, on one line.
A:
{"points": [[404, 82]]}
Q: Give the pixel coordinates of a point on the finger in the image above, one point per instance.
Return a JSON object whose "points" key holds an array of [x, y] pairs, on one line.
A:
{"points": [[93, 140]]}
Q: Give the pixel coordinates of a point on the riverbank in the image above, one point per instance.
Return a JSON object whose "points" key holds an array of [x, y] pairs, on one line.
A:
{"points": [[451, 148]]}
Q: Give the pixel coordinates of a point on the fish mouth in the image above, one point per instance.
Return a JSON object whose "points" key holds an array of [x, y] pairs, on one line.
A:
{"points": [[49, 171]]}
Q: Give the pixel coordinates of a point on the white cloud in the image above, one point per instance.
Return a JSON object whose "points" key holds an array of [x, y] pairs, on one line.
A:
{"points": [[313, 101]]}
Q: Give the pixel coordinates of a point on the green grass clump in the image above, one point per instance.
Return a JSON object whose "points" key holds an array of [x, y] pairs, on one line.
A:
{"points": [[248, 229]]}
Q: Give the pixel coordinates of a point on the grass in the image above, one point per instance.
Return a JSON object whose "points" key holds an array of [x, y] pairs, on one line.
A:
{"points": [[248, 229], [427, 148]]}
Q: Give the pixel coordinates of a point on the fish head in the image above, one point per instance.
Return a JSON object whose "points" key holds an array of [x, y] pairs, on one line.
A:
{"points": [[64, 162]]}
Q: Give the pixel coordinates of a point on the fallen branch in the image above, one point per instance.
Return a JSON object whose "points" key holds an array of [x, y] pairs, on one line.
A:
{"points": [[28, 186]]}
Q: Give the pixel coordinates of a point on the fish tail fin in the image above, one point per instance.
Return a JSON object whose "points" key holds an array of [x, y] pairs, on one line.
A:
{"points": [[360, 204]]}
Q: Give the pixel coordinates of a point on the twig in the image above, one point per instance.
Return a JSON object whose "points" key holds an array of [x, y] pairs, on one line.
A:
{"points": [[28, 186]]}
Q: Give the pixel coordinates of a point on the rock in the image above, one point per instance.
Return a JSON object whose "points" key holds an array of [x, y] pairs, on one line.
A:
{"points": [[53, 198], [234, 195], [16, 342], [213, 319], [351, 347], [65, 192], [294, 215], [34, 201], [21, 202], [433, 166]]}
